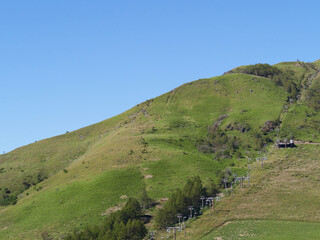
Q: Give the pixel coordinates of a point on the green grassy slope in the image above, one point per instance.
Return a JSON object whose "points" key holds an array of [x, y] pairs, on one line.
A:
{"points": [[153, 145], [266, 229], [47, 157], [75, 204], [284, 196]]}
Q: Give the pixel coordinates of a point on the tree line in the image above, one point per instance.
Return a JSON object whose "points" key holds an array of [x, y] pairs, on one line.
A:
{"points": [[181, 199]]}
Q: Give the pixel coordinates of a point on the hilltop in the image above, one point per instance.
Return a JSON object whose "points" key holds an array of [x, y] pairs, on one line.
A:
{"points": [[200, 128]]}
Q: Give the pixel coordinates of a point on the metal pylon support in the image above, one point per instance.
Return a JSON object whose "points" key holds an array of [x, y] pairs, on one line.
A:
{"points": [[190, 209], [169, 229], [179, 215]]}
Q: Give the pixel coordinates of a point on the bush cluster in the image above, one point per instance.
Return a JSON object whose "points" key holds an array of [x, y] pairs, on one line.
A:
{"points": [[219, 142], [123, 224], [179, 201], [263, 70], [7, 198]]}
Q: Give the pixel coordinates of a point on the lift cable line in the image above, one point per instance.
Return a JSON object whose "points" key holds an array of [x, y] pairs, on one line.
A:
{"points": [[210, 201]]}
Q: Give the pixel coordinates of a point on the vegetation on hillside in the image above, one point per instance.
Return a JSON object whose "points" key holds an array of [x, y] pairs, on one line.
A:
{"points": [[206, 128], [312, 95], [279, 77], [6, 198], [123, 224], [283, 196], [179, 201]]}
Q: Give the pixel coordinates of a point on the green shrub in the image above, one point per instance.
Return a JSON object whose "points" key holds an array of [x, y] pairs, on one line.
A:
{"points": [[263, 70], [8, 200], [145, 200]]}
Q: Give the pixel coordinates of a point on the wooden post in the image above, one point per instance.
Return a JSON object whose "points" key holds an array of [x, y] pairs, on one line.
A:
{"points": [[174, 234]]}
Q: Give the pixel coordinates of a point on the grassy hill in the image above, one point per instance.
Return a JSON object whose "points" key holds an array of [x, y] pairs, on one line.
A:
{"points": [[281, 203], [200, 128]]}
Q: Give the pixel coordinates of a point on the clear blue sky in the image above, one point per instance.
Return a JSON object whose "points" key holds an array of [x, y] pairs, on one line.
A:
{"points": [[66, 64]]}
